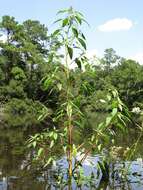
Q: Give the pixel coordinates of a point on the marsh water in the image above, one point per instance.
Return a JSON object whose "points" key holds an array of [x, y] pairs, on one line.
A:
{"points": [[17, 174]]}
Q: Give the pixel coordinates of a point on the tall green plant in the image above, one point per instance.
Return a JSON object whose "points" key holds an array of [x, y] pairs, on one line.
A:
{"points": [[68, 114]]}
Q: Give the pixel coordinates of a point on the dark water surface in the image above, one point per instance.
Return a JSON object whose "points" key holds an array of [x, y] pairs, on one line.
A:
{"points": [[16, 174]]}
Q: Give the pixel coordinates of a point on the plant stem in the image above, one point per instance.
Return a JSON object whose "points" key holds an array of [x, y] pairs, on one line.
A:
{"points": [[69, 126]]}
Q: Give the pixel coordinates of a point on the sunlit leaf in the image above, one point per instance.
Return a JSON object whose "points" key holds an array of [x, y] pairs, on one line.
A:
{"points": [[108, 121], [40, 151], [51, 144], [69, 109], [65, 22], [34, 144], [114, 111], [59, 85], [55, 136]]}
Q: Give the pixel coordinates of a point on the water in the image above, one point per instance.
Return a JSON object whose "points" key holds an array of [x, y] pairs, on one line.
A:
{"points": [[16, 173]]}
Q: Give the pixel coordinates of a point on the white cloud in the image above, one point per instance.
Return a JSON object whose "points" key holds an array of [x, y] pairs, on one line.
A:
{"points": [[138, 57], [116, 24]]}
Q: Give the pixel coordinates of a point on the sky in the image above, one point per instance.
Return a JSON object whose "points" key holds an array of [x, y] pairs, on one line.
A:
{"points": [[116, 24]]}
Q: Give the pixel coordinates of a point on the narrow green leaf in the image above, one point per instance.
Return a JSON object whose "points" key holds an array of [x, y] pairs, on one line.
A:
{"points": [[51, 134], [108, 121], [114, 111], [78, 18], [109, 97], [57, 21], [83, 36], [74, 151], [40, 151], [65, 22], [101, 126], [121, 120], [69, 110], [102, 101], [78, 62], [115, 93], [62, 11], [78, 124], [85, 22], [47, 83], [99, 147], [70, 52], [56, 32], [120, 107], [40, 118], [81, 15], [75, 32], [92, 138], [51, 144], [55, 136], [34, 144], [59, 85], [82, 43], [48, 162]]}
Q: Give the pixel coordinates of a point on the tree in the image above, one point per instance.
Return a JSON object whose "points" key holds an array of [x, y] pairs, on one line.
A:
{"points": [[110, 59], [127, 78], [23, 56]]}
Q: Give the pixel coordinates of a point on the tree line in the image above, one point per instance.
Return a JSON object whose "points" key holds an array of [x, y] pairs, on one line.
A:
{"points": [[29, 53]]}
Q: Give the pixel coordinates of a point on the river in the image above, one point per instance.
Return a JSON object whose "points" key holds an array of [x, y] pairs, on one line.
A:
{"points": [[16, 173]]}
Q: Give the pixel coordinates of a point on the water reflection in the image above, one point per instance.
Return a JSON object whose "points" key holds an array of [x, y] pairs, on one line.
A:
{"points": [[14, 175]]}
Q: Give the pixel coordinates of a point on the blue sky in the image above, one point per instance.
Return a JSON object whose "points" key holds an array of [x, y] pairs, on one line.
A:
{"points": [[113, 23]]}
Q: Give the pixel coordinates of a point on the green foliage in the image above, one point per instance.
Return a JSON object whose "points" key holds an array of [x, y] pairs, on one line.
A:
{"points": [[23, 64], [127, 78], [18, 74], [21, 112], [43, 143]]}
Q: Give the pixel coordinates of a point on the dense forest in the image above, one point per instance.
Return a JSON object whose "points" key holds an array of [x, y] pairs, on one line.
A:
{"points": [[29, 53]]}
